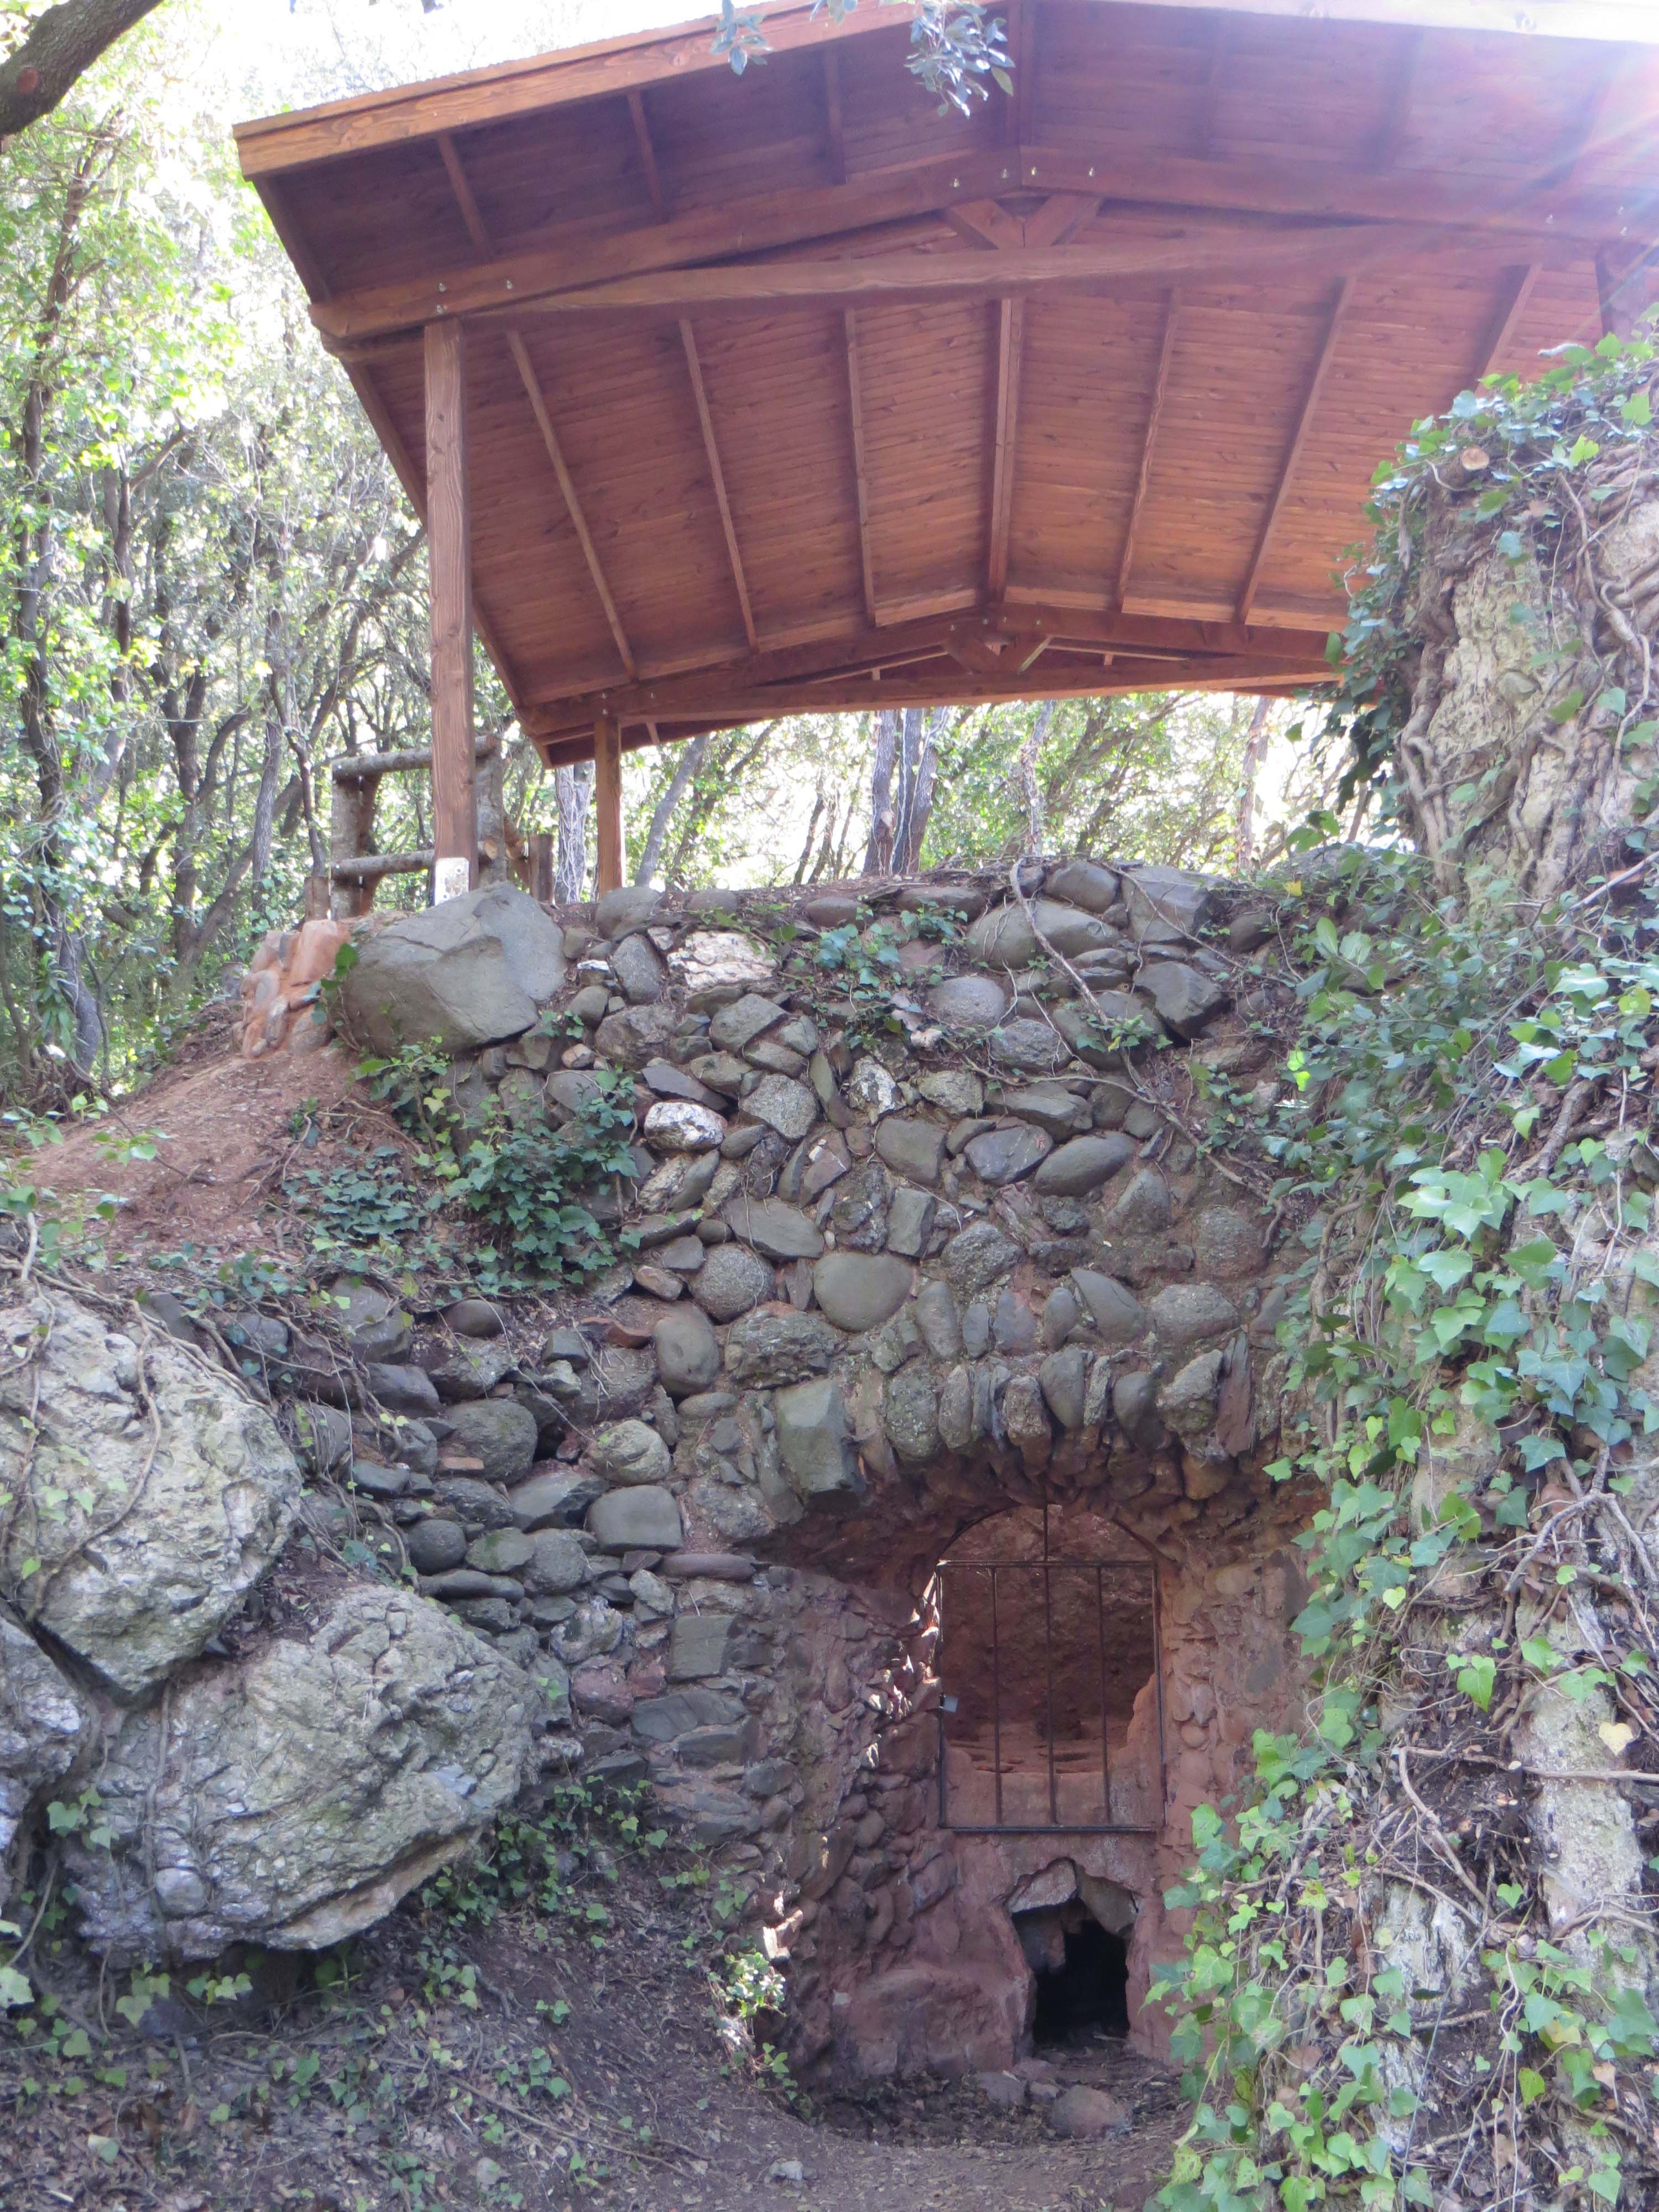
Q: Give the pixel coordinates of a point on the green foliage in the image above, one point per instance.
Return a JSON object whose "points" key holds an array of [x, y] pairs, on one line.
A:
{"points": [[954, 46], [1530, 446], [532, 1190], [1466, 1337]]}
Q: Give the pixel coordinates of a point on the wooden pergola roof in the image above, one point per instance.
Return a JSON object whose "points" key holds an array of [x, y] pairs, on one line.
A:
{"points": [[784, 392]]}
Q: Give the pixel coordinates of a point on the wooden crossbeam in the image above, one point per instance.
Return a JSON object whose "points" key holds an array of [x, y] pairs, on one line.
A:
{"points": [[1298, 438], [1215, 254], [943, 684], [861, 464], [1166, 351], [987, 638], [537, 400], [774, 219], [712, 454]]}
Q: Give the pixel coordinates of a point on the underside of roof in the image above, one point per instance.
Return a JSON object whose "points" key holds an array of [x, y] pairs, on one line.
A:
{"points": [[786, 392]]}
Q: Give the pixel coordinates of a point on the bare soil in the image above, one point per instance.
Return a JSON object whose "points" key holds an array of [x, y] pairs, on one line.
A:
{"points": [[546, 2057], [225, 1131]]}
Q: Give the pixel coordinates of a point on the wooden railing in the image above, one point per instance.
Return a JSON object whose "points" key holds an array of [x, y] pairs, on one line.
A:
{"points": [[356, 870]]}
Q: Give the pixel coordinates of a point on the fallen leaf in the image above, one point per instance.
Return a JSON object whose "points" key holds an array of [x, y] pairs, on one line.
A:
{"points": [[1617, 1736]]}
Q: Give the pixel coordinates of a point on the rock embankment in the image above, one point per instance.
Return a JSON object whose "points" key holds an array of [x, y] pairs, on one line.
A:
{"points": [[271, 1761]]}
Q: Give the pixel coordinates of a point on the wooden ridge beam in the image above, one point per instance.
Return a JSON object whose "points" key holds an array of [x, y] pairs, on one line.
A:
{"points": [[712, 454], [539, 406], [496, 94], [1328, 345], [861, 464], [1148, 444]]}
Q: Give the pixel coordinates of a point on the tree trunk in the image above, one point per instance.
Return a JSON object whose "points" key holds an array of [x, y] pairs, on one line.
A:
{"points": [[573, 786], [690, 760], [1478, 1364], [878, 852]]}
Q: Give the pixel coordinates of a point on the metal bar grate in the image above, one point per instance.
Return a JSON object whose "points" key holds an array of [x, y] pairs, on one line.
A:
{"points": [[1008, 1734]]}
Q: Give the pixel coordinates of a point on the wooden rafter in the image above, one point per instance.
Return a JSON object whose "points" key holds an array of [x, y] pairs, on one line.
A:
{"points": [[1298, 438], [1023, 50], [537, 400], [476, 230], [370, 398], [1514, 290], [861, 464], [648, 153], [465, 198], [835, 129], [1397, 124], [712, 454], [1047, 226], [1214, 78], [1005, 419], [1148, 444]]}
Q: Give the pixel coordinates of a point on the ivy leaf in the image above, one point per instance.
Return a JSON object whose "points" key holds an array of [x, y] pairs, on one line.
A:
{"points": [[1532, 2084], [1475, 1677]]}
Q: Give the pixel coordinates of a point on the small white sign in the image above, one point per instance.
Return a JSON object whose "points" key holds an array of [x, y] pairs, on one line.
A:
{"points": [[450, 879]]}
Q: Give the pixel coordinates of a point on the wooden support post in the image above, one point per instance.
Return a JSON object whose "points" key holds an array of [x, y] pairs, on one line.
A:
{"points": [[607, 803], [454, 798], [541, 866]]}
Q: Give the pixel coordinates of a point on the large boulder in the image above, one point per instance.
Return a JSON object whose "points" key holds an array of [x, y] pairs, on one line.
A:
{"points": [[464, 974], [291, 1797], [149, 1490], [43, 1723]]}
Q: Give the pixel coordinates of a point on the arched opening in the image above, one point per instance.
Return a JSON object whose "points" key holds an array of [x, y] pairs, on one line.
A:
{"points": [[1086, 1994]]}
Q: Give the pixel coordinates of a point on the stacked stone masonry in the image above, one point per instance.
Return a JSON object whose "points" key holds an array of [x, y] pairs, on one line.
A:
{"points": [[920, 1236]]}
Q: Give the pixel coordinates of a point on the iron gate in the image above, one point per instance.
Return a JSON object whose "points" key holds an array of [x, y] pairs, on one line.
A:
{"points": [[1098, 1595]]}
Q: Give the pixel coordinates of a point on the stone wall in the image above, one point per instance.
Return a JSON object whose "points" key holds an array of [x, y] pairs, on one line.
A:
{"points": [[924, 1236]]}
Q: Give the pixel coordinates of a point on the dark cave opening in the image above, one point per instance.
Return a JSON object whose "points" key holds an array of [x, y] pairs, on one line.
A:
{"points": [[1088, 1989]]}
